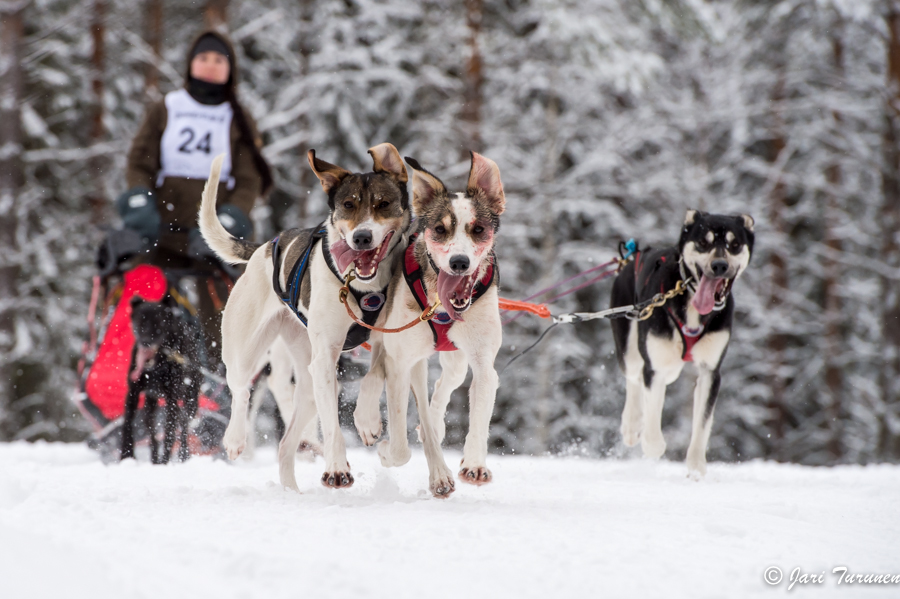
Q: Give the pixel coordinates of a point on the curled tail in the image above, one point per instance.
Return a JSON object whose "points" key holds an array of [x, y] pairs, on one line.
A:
{"points": [[229, 249]]}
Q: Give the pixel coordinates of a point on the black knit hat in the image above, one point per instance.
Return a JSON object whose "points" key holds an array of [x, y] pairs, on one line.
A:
{"points": [[210, 43]]}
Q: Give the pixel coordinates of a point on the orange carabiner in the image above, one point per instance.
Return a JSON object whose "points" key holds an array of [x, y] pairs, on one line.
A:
{"points": [[536, 309]]}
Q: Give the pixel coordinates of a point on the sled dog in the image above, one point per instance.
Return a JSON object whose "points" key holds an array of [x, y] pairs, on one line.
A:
{"points": [[714, 250], [164, 365], [290, 289], [449, 259]]}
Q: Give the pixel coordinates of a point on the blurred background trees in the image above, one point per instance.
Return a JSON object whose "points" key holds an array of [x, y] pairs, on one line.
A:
{"points": [[608, 119]]}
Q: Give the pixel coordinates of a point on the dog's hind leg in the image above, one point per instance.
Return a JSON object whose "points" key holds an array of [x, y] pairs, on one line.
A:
{"points": [[633, 367], [303, 409], [257, 398], [367, 415], [440, 478], [705, 393], [241, 366], [453, 373]]}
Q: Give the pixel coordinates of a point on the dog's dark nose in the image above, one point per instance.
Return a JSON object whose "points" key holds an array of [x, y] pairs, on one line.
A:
{"points": [[362, 239], [459, 263], [719, 267]]}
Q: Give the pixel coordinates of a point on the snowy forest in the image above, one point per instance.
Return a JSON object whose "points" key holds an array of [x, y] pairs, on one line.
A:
{"points": [[608, 120]]}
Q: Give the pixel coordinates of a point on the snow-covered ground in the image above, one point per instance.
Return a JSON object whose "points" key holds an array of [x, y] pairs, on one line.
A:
{"points": [[546, 527]]}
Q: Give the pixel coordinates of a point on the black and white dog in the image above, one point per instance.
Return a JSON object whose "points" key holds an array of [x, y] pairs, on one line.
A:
{"points": [[693, 327], [165, 364]]}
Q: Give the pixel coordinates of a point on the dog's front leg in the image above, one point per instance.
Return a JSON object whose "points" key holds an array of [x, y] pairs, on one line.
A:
{"points": [[367, 415], [171, 425], [395, 451], [326, 348], [705, 393], [482, 394], [151, 401], [131, 404], [453, 373], [440, 479]]}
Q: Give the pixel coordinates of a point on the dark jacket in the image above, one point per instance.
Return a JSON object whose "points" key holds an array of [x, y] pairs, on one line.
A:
{"points": [[178, 199]]}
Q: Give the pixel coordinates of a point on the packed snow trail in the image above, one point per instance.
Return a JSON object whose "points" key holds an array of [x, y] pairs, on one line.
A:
{"points": [[546, 527]]}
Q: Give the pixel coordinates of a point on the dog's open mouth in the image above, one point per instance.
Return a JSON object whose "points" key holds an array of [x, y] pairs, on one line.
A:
{"points": [[711, 293], [455, 292], [365, 262]]}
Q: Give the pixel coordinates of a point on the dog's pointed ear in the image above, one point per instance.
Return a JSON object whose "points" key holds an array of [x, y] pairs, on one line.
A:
{"points": [[330, 176], [426, 187], [484, 177], [747, 221], [386, 159], [690, 216]]}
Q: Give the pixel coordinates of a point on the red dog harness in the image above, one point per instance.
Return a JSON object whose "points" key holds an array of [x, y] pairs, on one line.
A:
{"points": [[441, 323]]}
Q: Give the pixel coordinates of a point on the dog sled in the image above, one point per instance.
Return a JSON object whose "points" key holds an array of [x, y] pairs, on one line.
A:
{"points": [[106, 359]]}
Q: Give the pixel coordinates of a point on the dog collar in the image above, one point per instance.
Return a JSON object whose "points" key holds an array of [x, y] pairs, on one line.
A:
{"points": [[687, 277]]}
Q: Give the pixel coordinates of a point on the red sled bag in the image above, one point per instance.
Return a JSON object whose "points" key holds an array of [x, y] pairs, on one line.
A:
{"points": [[106, 363]]}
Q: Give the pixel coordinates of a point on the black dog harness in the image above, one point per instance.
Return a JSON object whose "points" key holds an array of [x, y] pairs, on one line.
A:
{"points": [[370, 303], [441, 323]]}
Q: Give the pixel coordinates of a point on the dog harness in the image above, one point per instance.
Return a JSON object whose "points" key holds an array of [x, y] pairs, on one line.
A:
{"points": [[370, 303], [441, 323], [689, 336]]}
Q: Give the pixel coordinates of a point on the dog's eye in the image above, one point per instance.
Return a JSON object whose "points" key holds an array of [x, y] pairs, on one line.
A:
{"points": [[383, 205], [478, 229], [349, 205], [735, 246], [440, 230]]}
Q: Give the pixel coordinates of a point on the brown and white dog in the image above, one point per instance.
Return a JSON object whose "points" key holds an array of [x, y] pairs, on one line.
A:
{"points": [[451, 260], [366, 233]]}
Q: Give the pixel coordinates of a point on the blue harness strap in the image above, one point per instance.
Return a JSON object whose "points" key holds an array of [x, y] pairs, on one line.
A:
{"points": [[370, 303], [291, 295]]}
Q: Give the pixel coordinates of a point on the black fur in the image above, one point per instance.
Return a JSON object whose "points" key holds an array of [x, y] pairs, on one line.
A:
{"points": [[657, 271], [161, 325]]}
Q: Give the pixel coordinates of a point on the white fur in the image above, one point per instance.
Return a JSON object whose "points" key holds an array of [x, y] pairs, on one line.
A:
{"points": [[405, 361], [642, 415], [254, 316], [279, 383], [461, 243]]}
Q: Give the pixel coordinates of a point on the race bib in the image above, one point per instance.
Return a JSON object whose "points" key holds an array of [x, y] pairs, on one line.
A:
{"points": [[195, 134]]}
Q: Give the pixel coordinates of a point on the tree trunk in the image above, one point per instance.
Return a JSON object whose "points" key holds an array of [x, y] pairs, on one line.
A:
{"points": [[97, 200], [471, 111], [889, 382], [306, 49], [11, 181], [779, 284], [154, 16], [215, 14], [834, 341]]}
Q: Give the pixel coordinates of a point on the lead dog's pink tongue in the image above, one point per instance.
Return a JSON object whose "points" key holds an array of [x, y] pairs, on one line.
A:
{"points": [[366, 261], [705, 296], [343, 255], [450, 287]]}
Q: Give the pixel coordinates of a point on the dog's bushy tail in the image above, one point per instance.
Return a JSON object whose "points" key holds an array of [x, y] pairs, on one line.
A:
{"points": [[230, 249]]}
